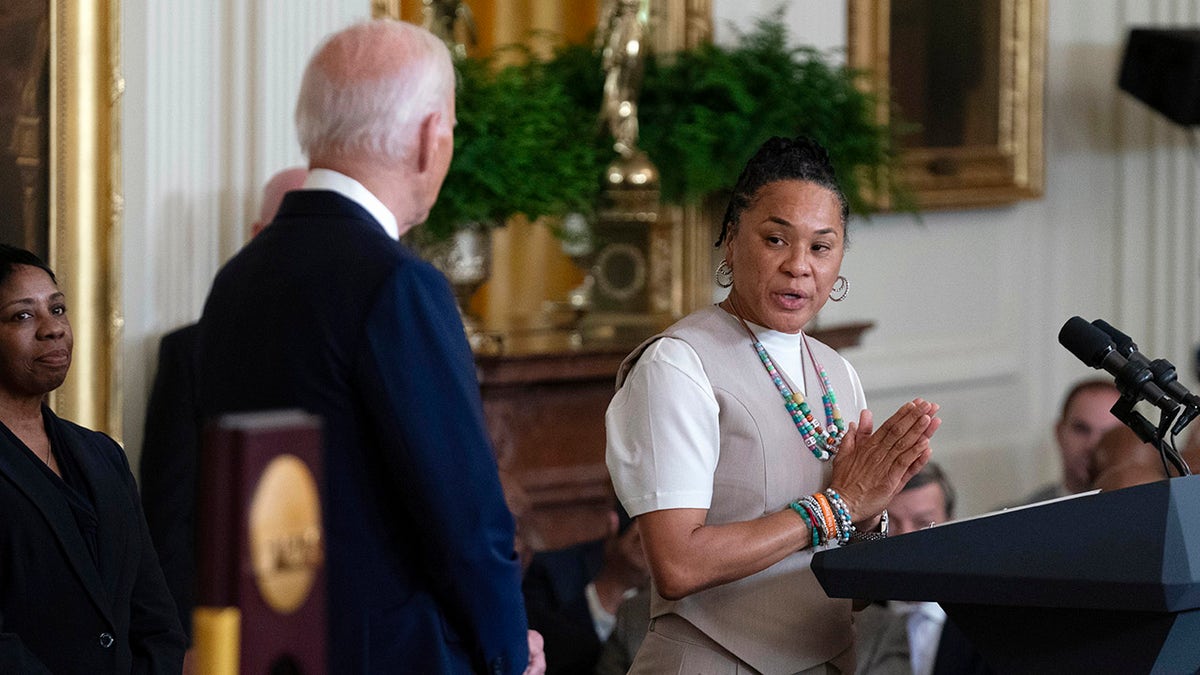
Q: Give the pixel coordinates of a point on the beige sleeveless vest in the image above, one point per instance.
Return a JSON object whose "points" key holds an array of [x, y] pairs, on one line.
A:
{"points": [[778, 620]]}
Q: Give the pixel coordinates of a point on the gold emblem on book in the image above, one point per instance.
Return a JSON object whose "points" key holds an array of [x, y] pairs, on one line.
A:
{"points": [[286, 543]]}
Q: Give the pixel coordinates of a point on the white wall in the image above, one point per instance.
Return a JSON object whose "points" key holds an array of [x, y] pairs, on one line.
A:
{"points": [[967, 304]]}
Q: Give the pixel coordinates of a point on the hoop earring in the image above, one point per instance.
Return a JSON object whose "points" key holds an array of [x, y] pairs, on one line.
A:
{"points": [[841, 288], [724, 274]]}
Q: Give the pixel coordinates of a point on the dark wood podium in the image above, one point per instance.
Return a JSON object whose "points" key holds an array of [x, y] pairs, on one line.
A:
{"points": [[1103, 583], [260, 596]]}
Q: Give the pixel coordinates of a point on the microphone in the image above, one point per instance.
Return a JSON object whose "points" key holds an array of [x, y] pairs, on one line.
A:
{"points": [[1124, 343], [1162, 369], [1096, 349]]}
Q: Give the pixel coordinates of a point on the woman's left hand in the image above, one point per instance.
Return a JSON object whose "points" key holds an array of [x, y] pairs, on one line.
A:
{"points": [[873, 465]]}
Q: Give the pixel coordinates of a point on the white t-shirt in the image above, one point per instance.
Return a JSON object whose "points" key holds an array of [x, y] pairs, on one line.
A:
{"points": [[663, 441]]}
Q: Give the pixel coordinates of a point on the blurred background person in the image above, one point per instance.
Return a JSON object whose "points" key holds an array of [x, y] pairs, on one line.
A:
{"points": [[902, 637], [572, 595], [701, 446], [80, 586], [1124, 460], [327, 312], [1084, 419], [168, 469], [629, 630]]}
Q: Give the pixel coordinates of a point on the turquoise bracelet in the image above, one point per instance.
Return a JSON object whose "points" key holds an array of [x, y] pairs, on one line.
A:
{"points": [[798, 508]]}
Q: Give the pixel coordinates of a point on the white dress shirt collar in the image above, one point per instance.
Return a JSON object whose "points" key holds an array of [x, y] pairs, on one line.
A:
{"points": [[328, 179]]}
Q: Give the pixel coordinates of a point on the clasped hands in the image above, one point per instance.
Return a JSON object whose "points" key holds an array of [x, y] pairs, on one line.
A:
{"points": [[873, 465]]}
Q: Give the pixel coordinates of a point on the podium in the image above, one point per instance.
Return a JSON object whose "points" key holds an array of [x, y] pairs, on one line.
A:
{"points": [[260, 591], [1102, 583]]}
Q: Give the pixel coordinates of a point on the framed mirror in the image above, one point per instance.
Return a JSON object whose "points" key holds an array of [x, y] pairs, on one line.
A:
{"points": [[966, 84]]}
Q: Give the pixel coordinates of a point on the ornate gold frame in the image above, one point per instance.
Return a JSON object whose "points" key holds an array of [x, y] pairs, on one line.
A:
{"points": [[968, 176], [85, 202]]}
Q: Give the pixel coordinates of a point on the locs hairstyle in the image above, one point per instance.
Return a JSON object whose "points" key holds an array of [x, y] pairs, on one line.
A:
{"points": [[11, 256], [800, 158]]}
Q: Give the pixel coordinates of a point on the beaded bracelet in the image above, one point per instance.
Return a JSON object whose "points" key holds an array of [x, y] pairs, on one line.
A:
{"points": [[809, 502], [846, 528], [798, 508]]}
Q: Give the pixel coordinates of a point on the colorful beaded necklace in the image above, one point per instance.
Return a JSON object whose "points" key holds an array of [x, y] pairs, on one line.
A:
{"points": [[823, 442]]}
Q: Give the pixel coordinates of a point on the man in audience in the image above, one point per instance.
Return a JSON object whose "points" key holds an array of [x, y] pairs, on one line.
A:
{"points": [[572, 595], [1124, 460], [903, 637], [167, 471], [1085, 418], [327, 312], [629, 629]]}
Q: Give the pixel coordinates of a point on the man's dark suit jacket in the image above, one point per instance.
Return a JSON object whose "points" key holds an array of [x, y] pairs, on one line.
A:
{"points": [[324, 311], [169, 465], [555, 589], [61, 609]]}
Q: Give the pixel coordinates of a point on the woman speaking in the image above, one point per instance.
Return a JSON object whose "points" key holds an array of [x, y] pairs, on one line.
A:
{"points": [[80, 586], [732, 439]]}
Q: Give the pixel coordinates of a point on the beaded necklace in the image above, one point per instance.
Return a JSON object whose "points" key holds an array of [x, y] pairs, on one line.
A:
{"points": [[823, 442]]}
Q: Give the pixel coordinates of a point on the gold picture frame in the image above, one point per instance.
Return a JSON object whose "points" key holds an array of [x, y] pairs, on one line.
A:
{"points": [[979, 68], [85, 202]]}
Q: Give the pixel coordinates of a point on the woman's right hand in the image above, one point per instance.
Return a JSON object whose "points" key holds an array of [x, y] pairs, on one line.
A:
{"points": [[875, 464]]}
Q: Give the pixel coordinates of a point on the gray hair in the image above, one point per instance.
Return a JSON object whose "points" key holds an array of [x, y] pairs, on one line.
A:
{"points": [[367, 88], [932, 474]]}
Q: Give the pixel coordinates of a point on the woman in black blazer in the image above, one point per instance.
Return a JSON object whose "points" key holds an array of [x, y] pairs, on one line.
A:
{"points": [[80, 587]]}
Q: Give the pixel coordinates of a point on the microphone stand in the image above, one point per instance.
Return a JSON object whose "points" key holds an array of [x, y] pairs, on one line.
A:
{"points": [[1142, 427]]}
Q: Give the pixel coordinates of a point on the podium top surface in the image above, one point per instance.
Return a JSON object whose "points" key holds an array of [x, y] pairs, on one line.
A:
{"points": [[1134, 549]]}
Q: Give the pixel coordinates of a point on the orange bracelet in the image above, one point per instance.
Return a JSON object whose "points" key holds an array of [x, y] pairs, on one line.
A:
{"points": [[831, 525]]}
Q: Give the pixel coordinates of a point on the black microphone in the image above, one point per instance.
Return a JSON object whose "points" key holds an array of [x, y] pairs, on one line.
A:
{"points": [[1162, 369], [1124, 343], [1134, 377]]}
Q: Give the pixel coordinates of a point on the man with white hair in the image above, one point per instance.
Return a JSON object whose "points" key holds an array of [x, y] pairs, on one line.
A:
{"points": [[326, 311]]}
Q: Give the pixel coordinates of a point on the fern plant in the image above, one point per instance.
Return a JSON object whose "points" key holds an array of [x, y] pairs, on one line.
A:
{"points": [[529, 141]]}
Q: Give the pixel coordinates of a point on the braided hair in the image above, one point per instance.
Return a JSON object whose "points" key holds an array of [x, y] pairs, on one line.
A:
{"points": [[800, 158]]}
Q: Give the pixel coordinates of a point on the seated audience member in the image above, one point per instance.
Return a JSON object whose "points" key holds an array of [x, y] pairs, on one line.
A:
{"points": [[572, 595], [81, 590], [520, 505], [633, 618], [169, 464], [1123, 460], [903, 637], [1085, 418]]}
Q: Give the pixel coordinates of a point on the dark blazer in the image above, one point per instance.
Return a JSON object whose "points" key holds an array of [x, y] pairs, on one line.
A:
{"points": [[323, 311], [168, 469], [555, 588], [62, 610]]}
